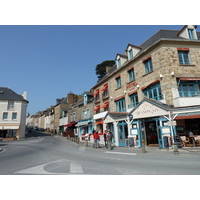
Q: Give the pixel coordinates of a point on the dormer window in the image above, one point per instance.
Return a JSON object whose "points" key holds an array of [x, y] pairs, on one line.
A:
{"points": [[130, 54], [188, 32], [121, 59], [191, 34], [119, 63]]}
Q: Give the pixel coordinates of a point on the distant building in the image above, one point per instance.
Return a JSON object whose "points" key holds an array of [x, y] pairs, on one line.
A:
{"points": [[12, 114]]}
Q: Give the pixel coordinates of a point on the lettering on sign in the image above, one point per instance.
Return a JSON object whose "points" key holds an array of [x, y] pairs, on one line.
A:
{"points": [[147, 110], [131, 86]]}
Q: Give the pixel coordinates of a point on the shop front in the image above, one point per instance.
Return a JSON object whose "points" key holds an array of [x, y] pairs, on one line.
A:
{"points": [[151, 123], [116, 122]]}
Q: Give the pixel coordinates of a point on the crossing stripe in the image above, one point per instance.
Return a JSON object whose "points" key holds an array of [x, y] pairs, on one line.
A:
{"points": [[76, 168], [130, 154]]}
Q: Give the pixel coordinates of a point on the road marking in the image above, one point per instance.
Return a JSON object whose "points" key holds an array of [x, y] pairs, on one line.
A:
{"points": [[76, 168], [130, 154], [82, 149]]}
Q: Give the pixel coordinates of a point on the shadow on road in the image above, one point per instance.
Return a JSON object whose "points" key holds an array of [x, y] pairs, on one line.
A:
{"points": [[34, 133]]}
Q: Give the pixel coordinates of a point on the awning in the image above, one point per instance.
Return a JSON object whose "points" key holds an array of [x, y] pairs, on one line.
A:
{"points": [[82, 124], [9, 127], [105, 87], [188, 117], [96, 108], [150, 84], [190, 79], [70, 124], [105, 104], [99, 122], [97, 91]]}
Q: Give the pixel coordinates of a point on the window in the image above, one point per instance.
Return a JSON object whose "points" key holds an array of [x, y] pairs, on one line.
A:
{"points": [[74, 116], [84, 114], [148, 67], [118, 82], [10, 105], [119, 63], [88, 113], [5, 115], [71, 117], [153, 92], [14, 116], [184, 57], [133, 100], [105, 91], [130, 54], [189, 89], [131, 75], [96, 95], [191, 34], [120, 105]]}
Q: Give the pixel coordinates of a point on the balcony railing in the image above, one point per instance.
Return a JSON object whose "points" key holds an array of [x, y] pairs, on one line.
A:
{"points": [[189, 94]]}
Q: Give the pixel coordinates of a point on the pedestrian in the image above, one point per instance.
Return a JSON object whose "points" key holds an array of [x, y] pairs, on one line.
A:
{"points": [[105, 139], [109, 137], [96, 139]]}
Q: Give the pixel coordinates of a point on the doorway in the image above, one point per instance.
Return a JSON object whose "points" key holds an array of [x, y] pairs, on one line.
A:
{"points": [[122, 133], [151, 133]]}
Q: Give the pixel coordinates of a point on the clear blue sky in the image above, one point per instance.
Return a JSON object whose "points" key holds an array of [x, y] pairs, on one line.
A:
{"points": [[50, 61]]}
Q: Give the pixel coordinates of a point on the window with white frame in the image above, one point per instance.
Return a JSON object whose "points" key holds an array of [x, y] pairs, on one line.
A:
{"points": [[130, 54], [74, 116], [14, 116], [10, 105], [5, 115], [71, 117], [88, 113], [191, 33]]}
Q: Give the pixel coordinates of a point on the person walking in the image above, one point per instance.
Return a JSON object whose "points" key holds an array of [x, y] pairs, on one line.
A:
{"points": [[105, 139], [96, 139], [109, 137]]}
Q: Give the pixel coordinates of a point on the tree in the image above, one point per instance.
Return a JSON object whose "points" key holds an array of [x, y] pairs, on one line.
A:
{"points": [[101, 68]]}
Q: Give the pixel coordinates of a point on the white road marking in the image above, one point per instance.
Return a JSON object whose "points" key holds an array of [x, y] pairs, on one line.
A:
{"points": [[130, 154], [76, 168], [40, 169]]}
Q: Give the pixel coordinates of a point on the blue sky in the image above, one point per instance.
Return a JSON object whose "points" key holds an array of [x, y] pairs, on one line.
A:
{"points": [[50, 61]]}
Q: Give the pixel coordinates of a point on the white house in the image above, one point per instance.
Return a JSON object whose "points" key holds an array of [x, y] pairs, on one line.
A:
{"points": [[12, 113]]}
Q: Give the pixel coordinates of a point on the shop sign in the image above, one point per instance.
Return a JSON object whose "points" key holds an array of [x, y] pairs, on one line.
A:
{"points": [[148, 110], [131, 86]]}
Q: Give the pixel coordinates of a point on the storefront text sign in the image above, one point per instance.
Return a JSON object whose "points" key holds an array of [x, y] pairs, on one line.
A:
{"points": [[148, 110]]}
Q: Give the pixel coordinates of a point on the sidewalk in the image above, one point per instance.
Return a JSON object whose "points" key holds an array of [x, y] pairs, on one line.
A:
{"points": [[134, 149]]}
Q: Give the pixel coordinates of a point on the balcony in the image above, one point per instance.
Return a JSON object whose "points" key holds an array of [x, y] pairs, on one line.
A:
{"points": [[185, 98]]}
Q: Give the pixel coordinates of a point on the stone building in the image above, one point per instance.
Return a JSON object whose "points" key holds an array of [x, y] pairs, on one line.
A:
{"points": [[160, 76]]}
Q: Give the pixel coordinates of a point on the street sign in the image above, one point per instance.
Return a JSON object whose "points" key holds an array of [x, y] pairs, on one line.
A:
{"points": [[172, 123]]}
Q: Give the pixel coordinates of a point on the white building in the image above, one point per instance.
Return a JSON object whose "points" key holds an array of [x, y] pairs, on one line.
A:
{"points": [[12, 113]]}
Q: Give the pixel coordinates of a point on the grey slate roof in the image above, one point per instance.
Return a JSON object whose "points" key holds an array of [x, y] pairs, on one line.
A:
{"points": [[8, 94]]}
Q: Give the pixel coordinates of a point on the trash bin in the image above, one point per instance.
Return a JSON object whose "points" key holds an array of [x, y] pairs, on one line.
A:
{"points": [[166, 143]]}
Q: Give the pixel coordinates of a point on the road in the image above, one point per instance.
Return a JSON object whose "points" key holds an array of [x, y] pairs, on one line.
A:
{"points": [[46, 155]]}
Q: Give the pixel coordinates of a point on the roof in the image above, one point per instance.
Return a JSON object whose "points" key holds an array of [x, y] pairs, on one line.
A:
{"points": [[8, 94]]}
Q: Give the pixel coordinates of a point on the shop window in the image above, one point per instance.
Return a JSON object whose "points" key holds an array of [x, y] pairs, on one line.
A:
{"points": [[120, 105], [180, 129], [153, 92]]}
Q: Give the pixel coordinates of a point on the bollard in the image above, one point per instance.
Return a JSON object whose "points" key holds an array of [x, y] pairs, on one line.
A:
{"points": [[176, 149], [77, 140], [143, 146], [86, 143]]}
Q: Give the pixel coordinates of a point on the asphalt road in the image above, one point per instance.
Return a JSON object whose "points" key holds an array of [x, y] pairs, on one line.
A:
{"points": [[42, 154]]}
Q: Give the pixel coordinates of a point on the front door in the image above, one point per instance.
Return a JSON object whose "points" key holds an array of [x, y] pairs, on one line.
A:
{"points": [[122, 133], [151, 133]]}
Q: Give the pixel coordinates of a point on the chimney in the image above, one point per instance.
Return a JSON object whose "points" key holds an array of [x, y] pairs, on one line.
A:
{"points": [[108, 68], [25, 95]]}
